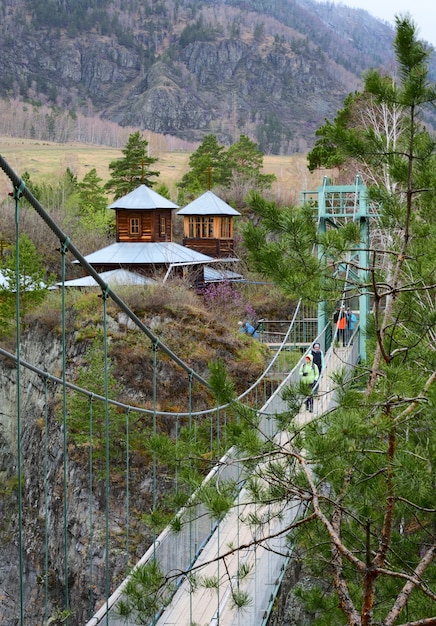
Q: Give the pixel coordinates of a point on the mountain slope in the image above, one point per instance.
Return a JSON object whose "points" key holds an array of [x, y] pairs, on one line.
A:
{"points": [[271, 69]]}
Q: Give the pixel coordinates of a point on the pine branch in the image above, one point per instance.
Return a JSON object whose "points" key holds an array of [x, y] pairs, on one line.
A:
{"points": [[411, 584]]}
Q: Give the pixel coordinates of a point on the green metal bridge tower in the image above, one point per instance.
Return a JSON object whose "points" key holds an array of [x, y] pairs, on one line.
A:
{"points": [[338, 205]]}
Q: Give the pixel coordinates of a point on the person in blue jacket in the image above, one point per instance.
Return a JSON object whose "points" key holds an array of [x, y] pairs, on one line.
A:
{"points": [[248, 329], [351, 323]]}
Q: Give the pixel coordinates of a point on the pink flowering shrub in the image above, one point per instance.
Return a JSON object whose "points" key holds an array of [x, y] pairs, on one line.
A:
{"points": [[224, 297]]}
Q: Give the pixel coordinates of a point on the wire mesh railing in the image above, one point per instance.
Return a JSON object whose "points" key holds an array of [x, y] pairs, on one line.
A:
{"points": [[61, 517], [173, 551]]}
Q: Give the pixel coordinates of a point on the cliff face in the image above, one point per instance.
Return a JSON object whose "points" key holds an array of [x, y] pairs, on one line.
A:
{"points": [[271, 70], [40, 520], [59, 482]]}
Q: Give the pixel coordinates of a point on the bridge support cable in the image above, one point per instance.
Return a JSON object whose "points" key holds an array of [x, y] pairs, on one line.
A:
{"points": [[17, 193], [63, 250], [65, 241]]}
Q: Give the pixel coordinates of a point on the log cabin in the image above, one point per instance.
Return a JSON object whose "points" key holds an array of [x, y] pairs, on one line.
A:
{"points": [[208, 226], [144, 242]]}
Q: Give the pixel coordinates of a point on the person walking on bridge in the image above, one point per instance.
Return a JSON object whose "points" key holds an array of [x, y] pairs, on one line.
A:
{"points": [[318, 359], [340, 319], [351, 323], [309, 376]]}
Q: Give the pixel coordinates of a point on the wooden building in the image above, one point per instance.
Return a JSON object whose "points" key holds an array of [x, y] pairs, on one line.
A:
{"points": [[208, 226], [143, 215], [144, 242]]}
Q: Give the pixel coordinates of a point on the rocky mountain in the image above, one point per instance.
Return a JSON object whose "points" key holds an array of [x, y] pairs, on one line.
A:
{"points": [[271, 69]]}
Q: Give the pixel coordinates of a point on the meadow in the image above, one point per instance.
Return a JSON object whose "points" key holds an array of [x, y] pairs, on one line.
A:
{"points": [[45, 160]]}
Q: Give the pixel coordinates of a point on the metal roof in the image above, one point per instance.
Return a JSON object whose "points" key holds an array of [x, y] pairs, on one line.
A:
{"points": [[111, 277], [208, 204], [145, 253], [143, 198], [7, 279], [212, 275]]}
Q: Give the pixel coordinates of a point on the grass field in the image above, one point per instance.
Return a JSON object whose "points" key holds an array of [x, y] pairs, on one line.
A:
{"points": [[45, 160]]}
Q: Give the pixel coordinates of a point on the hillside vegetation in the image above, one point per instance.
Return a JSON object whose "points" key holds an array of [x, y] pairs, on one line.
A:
{"points": [[46, 160], [273, 70]]}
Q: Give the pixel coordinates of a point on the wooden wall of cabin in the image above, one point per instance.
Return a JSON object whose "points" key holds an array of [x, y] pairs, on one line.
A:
{"points": [[143, 225], [216, 248]]}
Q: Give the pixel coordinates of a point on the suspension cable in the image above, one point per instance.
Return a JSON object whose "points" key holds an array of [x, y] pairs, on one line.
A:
{"points": [[106, 431], [63, 250], [91, 505], [64, 239], [18, 192]]}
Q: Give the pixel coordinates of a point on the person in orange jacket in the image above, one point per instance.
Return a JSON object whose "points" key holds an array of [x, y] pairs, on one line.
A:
{"points": [[340, 319]]}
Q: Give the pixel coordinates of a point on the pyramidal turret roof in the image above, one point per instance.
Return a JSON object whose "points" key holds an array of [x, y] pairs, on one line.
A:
{"points": [[208, 204], [143, 198]]}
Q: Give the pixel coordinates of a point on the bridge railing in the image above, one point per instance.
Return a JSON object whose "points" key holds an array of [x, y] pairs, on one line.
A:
{"points": [[177, 551], [273, 332]]}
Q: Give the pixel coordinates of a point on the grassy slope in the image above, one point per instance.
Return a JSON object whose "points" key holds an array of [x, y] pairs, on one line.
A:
{"points": [[44, 159]]}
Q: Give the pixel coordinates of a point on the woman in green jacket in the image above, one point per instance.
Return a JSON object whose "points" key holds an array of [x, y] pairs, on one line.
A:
{"points": [[309, 376]]}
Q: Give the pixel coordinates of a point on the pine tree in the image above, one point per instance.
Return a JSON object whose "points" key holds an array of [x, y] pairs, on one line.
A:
{"points": [[208, 168], [93, 203], [366, 471], [133, 169], [246, 162]]}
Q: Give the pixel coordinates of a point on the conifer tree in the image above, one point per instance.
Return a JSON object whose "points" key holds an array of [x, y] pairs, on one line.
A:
{"points": [[208, 168], [237, 169], [133, 169], [366, 470], [93, 202], [246, 162]]}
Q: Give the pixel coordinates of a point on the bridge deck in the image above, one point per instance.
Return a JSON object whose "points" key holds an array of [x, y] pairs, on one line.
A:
{"points": [[214, 607]]}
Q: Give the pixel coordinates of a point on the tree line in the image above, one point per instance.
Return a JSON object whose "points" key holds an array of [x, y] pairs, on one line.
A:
{"points": [[46, 123]]}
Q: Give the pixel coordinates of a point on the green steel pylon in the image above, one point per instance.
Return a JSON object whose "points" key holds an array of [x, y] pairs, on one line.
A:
{"points": [[338, 205]]}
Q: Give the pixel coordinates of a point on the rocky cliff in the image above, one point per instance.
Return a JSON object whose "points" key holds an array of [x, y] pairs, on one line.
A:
{"points": [[271, 70], [59, 481]]}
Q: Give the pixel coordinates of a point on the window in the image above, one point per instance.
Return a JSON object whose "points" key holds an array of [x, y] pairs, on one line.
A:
{"points": [[163, 226], [134, 225], [200, 227], [226, 227]]}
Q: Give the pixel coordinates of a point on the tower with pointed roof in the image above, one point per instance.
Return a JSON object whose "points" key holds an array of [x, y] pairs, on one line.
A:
{"points": [[208, 226], [143, 216]]}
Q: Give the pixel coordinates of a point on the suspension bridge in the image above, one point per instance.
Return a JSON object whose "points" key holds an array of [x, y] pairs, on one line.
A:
{"points": [[217, 548]]}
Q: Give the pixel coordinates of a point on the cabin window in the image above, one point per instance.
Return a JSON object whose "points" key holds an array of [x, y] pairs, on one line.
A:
{"points": [[201, 227], [134, 225], [226, 227], [163, 226]]}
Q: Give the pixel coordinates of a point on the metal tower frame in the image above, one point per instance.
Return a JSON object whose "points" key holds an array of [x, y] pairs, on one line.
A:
{"points": [[338, 205]]}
